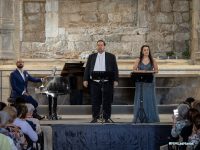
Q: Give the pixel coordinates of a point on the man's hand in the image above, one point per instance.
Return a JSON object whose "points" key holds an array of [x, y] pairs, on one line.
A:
{"points": [[115, 83], [85, 84], [25, 93]]}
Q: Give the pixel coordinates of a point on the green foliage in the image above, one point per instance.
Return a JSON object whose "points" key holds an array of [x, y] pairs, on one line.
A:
{"points": [[170, 53], [186, 52]]}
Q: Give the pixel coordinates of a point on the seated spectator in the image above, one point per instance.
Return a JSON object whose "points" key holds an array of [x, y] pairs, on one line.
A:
{"points": [[29, 117], [23, 124], [180, 121], [4, 142], [189, 101], [195, 137], [196, 105], [4, 119], [17, 134], [2, 105], [7, 143]]}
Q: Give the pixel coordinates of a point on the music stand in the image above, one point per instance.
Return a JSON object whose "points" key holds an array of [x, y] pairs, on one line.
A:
{"points": [[102, 77], [141, 78]]}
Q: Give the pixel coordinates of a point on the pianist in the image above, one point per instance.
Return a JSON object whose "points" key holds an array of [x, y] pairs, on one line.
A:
{"points": [[19, 81], [101, 61]]}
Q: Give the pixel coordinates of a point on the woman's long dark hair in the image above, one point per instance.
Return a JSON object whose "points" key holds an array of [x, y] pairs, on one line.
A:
{"points": [[141, 54]]}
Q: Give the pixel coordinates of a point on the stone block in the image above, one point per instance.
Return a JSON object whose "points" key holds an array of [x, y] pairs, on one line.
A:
{"points": [[127, 17], [142, 18], [182, 37], [181, 6], [186, 17], [51, 27], [51, 6], [168, 27], [69, 7], [133, 38], [165, 6], [61, 31], [164, 18], [76, 17], [78, 37], [82, 46], [71, 46], [89, 6], [31, 7], [107, 7], [155, 36], [98, 37], [114, 47], [103, 18], [113, 38], [114, 17], [26, 47], [90, 17], [169, 38], [178, 17]]}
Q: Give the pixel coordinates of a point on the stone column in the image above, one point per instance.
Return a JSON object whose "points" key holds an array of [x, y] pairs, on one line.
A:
{"points": [[195, 36], [7, 26], [51, 20]]}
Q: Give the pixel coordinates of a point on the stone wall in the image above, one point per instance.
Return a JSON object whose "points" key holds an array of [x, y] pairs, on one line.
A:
{"points": [[34, 21], [72, 27], [7, 28]]}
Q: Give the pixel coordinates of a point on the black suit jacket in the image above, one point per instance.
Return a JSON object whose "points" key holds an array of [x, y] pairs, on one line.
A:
{"points": [[110, 64]]}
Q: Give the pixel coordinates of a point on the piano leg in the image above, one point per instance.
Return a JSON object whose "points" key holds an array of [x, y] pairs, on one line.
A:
{"points": [[50, 107], [54, 115]]}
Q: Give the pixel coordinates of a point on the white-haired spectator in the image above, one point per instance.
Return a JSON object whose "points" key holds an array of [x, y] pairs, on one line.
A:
{"points": [[23, 124], [4, 119], [17, 134], [29, 116], [180, 121]]}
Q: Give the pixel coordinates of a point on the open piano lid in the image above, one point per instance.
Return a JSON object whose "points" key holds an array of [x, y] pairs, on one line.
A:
{"points": [[72, 68]]}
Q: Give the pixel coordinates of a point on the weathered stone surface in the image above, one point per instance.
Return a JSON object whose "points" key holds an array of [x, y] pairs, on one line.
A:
{"points": [[107, 7], [90, 17], [51, 6], [114, 17], [178, 18], [165, 6], [164, 18], [133, 38], [186, 17], [31, 7], [88, 7], [79, 37], [113, 38], [181, 6], [182, 36], [73, 27]]}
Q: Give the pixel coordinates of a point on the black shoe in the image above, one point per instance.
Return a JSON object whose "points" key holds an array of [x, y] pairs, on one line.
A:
{"points": [[38, 116], [49, 117], [54, 117], [94, 120], [108, 121]]}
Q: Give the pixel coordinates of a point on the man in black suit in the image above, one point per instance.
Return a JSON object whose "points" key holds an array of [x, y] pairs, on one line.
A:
{"points": [[101, 61]]}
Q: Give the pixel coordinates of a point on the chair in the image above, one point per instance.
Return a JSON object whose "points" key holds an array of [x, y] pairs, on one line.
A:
{"points": [[11, 101], [197, 147]]}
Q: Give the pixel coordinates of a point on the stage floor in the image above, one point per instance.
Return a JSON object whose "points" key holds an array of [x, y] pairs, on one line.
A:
{"points": [[85, 119]]}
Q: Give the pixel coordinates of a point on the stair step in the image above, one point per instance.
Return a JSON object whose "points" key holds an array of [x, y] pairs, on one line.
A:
{"points": [[86, 109]]}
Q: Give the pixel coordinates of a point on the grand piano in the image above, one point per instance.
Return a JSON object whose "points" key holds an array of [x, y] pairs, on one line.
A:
{"points": [[74, 72], [69, 82]]}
